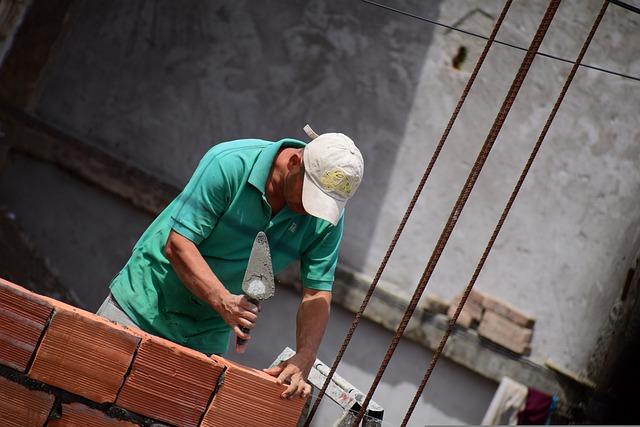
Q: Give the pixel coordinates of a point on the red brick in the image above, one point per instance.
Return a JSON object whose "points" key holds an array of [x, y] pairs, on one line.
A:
{"points": [[84, 354], [79, 415], [23, 316], [21, 407], [249, 398], [504, 332], [169, 382], [508, 311]]}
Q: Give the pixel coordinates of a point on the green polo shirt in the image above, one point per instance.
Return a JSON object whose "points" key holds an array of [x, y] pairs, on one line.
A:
{"points": [[221, 210]]}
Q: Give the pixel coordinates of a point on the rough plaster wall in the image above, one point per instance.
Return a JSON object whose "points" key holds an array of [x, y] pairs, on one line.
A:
{"points": [[565, 250], [177, 80], [88, 235], [157, 84]]}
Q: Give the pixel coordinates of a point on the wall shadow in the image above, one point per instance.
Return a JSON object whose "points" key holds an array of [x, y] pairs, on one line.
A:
{"points": [[157, 83]]}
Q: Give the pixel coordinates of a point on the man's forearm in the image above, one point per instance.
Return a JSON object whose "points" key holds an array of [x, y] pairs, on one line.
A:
{"points": [[193, 271], [311, 322], [196, 275]]}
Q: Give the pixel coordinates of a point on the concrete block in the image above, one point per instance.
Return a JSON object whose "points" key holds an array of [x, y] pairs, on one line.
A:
{"points": [[84, 354], [464, 318], [464, 347], [170, 383], [20, 407], [504, 332], [251, 398], [23, 316], [475, 297], [505, 310], [472, 310], [79, 415], [434, 304], [387, 306]]}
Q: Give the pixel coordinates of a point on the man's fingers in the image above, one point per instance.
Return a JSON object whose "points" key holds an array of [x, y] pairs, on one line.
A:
{"points": [[246, 304], [239, 333], [300, 389], [296, 388], [246, 314], [274, 371], [290, 390], [290, 374], [246, 323], [286, 374], [307, 390]]}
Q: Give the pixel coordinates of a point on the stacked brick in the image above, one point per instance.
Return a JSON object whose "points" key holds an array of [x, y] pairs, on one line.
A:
{"points": [[506, 326], [494, 320], [62, 366]]}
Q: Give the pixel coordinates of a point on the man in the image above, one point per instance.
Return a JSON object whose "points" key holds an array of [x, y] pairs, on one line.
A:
{"points": [[183, 280]]}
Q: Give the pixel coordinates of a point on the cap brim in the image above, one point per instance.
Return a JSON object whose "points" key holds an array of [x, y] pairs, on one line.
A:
{"points": [[319, 204]]}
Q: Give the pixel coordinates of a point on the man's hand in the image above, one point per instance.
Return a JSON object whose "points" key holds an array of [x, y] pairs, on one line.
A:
{"points": [[311, 321], [196, 276], [293, 372], [238, 312]]}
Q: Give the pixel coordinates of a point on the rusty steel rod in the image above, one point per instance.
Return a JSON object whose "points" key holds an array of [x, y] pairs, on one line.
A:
{"points": [[464, 195], [505, 213], [409, 210]]}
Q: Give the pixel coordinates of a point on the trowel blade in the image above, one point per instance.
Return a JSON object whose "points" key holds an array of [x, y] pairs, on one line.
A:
{"points": [[258, 281]]}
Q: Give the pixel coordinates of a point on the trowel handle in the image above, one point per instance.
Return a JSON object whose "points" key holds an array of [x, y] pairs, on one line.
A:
{"points": [[241, 344]]}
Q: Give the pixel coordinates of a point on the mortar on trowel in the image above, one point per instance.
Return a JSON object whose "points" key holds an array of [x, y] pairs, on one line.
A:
{"points": [[258, 284]]}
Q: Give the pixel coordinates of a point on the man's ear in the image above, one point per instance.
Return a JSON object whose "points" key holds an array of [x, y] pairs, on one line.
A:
{"points": [[295, 160]]}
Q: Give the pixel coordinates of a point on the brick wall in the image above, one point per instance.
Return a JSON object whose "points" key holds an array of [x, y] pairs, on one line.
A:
{"points": [[62, 366]]}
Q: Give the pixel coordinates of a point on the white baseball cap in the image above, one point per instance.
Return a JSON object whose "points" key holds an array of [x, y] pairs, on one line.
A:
{"points": [[333, 169]]}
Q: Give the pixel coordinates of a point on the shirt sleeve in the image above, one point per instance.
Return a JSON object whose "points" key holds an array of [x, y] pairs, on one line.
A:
{"points": [[204, 199], [318, 262]]}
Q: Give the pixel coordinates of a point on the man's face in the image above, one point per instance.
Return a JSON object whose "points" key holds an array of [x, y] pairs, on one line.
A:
{"points": [[293, 185]]}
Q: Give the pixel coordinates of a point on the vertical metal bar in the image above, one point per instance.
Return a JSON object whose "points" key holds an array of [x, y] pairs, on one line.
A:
{"points": [[505, 212], [410, 207], [464, 194]]}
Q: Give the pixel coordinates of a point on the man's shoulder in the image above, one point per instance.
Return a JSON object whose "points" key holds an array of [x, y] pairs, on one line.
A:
{"points": [[240, 155], [250, 145], [233, 156], [238, 147], [318, 227]]}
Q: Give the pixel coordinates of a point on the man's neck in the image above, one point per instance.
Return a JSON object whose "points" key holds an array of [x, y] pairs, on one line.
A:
{"points": [[275, 182]]}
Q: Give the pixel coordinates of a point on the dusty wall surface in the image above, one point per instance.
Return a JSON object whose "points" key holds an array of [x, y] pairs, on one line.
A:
{"points": [[86, 234], [158, 84]]}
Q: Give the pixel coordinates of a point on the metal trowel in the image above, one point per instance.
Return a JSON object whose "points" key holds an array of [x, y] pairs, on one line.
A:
{"points": [[258, 284]]}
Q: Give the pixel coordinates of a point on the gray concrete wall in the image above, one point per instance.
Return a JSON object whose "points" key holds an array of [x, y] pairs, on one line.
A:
{"points": [[157, 83], [88, 233]]}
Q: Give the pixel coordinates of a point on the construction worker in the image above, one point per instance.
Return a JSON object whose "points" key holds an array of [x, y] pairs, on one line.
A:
{"points": [[183, 280]]}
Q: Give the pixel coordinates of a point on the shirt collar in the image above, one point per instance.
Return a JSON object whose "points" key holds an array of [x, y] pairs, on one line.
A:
{"points": [[261, 168]]}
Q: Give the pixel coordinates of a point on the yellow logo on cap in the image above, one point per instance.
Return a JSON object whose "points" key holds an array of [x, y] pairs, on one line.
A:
{"points": [[336, 180]]}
